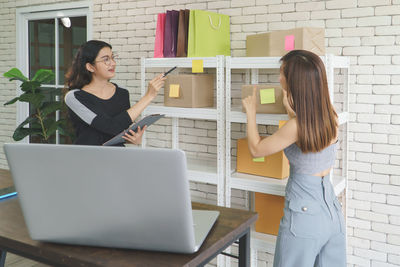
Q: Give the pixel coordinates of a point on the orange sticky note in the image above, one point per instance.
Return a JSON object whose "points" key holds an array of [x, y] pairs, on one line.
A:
{"points": [[197, 66], [174, 90], [262, 159], [267, 96], [289, 42]]}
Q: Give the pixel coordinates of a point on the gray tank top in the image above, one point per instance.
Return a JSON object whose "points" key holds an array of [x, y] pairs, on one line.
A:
{"points": [[312, 162]]}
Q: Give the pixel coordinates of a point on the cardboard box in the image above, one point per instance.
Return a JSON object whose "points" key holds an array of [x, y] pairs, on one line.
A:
{"points": [[270, 212], [269, 98], [189, 90], [278, 43], [272, 166]]}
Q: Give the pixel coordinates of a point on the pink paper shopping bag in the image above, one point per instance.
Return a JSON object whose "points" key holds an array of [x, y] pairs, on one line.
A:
{"points": [[159, 41]]}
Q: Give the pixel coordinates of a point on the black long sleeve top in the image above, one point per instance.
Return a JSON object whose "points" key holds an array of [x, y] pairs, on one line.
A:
{"points": [[97, 120]]}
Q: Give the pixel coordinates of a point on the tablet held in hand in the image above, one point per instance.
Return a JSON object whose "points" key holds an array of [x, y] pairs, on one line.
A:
{"points": [[148, 120]]}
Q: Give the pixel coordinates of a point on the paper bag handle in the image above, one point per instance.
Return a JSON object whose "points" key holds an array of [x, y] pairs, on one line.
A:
{"points": [[212, 25]]}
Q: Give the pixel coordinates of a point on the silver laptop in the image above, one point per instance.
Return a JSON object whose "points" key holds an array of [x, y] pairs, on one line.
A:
{"points": [[122, 197]]}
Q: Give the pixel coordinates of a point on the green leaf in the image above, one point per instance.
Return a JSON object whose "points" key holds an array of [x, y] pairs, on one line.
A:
{"points": [[34, 99], [62, 126], [43, 76], [50, 126], [36, 124], [48, 122], [33, 123], [12, 101], [52, 129], [52, 91], [50, 107], [30, 119], [15, 74], [30, 86], [21, 132]]}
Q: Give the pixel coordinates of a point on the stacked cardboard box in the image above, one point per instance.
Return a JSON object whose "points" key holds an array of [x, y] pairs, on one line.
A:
{"points": [[278, 43]]}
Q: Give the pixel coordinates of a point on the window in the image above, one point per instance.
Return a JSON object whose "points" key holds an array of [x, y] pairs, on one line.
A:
{"points": [[44, 55], [48, 38]]}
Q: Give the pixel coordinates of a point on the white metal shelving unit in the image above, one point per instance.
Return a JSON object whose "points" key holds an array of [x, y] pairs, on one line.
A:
{"points": [[252, 183], [199, 170], [222, 171]]}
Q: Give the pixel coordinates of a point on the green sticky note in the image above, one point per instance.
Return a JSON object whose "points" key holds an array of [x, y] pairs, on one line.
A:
{"points": [[262, 159], [267, 96], [197, 66]]}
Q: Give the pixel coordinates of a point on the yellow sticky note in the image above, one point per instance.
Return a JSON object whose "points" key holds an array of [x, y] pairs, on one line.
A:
{"points": [[267, 96], [174, 90], [281, 123], [197, 66], [262, 159]]}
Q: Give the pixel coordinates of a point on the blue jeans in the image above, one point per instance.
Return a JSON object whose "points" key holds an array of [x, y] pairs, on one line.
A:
{"points": [[312, 230]]}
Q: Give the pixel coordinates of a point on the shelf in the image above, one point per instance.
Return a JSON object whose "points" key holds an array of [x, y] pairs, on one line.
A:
{"points": [[272, 119], [269, 119], [259, 184], [273, 62], [202, 170], [199, 170], [255, 63], [181, 62], [186, 113], [272, 186]]}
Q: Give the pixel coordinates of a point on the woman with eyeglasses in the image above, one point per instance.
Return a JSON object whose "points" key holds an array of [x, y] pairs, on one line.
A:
{"points": [[98, 108], [312, 230]]}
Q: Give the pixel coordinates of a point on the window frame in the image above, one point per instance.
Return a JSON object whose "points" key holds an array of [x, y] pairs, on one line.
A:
{"points": [[53, 11]]}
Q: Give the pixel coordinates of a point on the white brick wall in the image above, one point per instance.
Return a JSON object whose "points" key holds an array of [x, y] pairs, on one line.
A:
{"points": [[365, 30]]}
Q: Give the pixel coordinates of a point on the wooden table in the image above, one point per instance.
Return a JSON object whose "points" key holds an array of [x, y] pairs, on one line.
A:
{"points": [[232, 225]]}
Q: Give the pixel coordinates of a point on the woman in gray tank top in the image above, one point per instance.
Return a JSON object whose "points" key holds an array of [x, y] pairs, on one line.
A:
{"points": [[312, 231]]}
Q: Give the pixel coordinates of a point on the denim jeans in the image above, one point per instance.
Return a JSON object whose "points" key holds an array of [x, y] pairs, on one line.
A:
{"points": [[312, 230]]}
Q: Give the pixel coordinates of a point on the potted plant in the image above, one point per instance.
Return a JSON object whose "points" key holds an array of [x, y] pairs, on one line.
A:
{"points": [[41, 123]]}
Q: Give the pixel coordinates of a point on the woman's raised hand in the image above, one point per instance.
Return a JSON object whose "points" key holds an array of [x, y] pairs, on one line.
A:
{"points": [[250, 103], [155, 85]]}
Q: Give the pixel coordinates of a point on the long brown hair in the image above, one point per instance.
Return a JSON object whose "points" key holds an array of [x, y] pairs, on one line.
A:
{"points": [[308, 95], [78, 76]]}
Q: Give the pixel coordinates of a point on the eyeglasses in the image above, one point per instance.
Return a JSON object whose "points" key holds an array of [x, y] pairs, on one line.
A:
{"points": [[107, 60]]}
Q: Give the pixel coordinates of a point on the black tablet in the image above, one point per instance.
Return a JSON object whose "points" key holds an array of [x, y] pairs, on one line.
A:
{"points": [[148, 120]]}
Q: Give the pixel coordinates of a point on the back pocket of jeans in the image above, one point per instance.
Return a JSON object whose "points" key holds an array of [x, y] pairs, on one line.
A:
{"points": [[305, 218]]}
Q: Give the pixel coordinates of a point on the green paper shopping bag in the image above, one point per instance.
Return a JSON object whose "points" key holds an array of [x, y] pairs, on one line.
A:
{"points": [[209, 34]]}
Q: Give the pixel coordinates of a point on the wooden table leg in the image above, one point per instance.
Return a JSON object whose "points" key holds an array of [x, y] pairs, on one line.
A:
{"points": [[244, 250], [3, 254]]}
